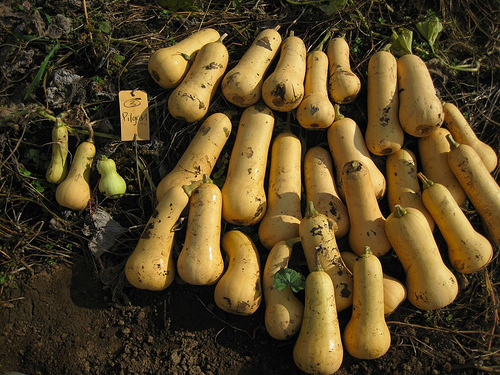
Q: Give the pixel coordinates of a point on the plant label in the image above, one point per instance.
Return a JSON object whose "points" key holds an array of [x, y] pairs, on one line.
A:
{"points": [[134, 115]]}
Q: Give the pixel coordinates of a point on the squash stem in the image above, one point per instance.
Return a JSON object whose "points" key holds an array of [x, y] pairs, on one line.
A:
{"points": [[310, 210], [338, 115], [453, 144], [426, 183], [188, 189], [367, 251], [91, 133], [399, 211], [317, 265]]}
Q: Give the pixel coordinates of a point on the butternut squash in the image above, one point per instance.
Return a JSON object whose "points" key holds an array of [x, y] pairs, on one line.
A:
{"points": [[319, 244], [74, 192], [111, 184], [402, 182], [239, 290], [384, 134], [479, 185], [394, 290], [433, 151], [318, 348], [420, 109], [169, 65], [316, 111], [191, 98], [200, 261], [429, 282], [284, 311], [283, 89], [346, 143], [151, 265], [242, 85], [283, 214], [462, 132], [244, 200], [367, 223], [468, 250], [343, 84], [320, 186], [366, 335], [57, 169], [200, 156]]}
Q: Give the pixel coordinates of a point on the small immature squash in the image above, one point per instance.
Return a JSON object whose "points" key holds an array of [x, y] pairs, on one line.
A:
{"points": [[58, 167], [111, 183], [74, 192]]}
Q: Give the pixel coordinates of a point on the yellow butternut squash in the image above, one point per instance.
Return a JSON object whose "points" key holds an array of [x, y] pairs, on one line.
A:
{"points": [[433, 152], [384, 134], [283, 89], [169, 65], [320, 186], [151, 266], [319, 244], [367, 223], [366, 335], [284, 311], [429, 282], [242, 85], [394, 290], [239, 290], [402, 182], [191, 98], [343, 84], [462, 132], [316, 111], [346, 143], [200, 260], [200, 156], [468, 250], [479, 185], [244, 200], [318, 348], [420, 109], [74, 192], [283, 214]]}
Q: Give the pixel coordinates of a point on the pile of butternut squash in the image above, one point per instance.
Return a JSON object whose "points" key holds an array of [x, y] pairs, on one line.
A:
{"points": [[271, 175]]}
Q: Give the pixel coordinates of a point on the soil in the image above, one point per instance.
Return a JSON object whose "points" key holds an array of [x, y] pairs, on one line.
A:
{"points": [[65, 306]]}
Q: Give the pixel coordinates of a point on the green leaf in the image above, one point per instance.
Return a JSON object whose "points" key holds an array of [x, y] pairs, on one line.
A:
{"points": [[332, 6], [401, 43], [430, 30], [104, 26], [41, 71], [289, 277]]}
